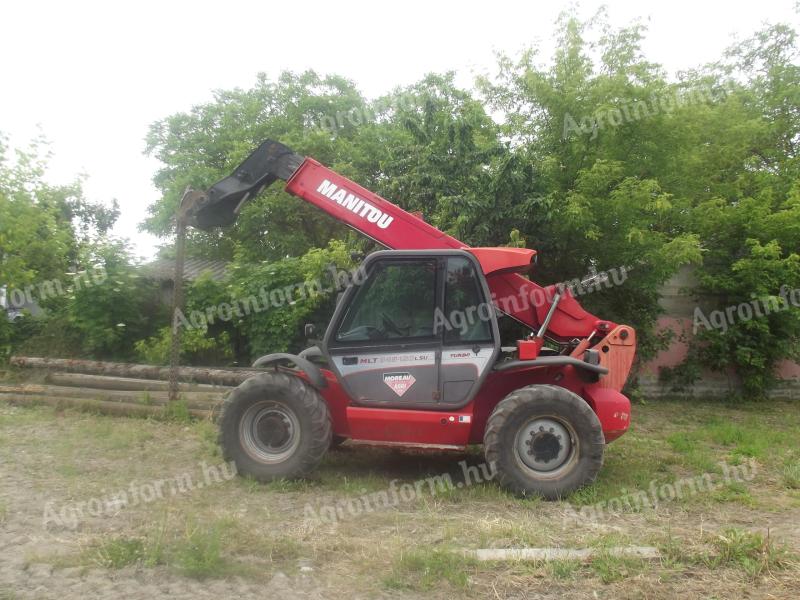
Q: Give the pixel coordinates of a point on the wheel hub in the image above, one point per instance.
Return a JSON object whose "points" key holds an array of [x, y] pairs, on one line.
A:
{"points": [[270, 432], [274, 430], [544, 444]]}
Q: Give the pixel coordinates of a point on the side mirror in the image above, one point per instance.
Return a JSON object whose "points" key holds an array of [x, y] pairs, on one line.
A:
{"points": [[309, 330]]}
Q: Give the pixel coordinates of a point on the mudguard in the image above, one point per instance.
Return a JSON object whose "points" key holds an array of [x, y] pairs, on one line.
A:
{"points": [[612, 408], [311, 370]]}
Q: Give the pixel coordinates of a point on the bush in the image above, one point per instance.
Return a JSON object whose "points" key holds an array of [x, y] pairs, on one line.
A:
{"points": [[276, 299], [197, 348]]}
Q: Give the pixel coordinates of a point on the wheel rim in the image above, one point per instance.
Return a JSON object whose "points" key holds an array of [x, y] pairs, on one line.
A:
{"points": [[547, 446], [270, 432]]}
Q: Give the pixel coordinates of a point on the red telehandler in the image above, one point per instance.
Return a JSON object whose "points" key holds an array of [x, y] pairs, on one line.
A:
{"points": [[412, 356]]}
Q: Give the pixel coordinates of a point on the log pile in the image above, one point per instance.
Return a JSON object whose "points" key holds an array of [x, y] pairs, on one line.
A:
{"points": [[209, 375], [121, 388]]}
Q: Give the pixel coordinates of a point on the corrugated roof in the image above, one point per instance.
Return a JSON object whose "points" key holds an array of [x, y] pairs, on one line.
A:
{"points": [[163, 269]]}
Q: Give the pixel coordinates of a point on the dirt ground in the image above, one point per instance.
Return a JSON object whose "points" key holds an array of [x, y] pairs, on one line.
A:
{"points": [[94, 506]]}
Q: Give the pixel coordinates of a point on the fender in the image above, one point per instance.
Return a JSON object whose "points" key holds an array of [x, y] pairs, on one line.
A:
{"points": [[612, 408], [311, 370], [311, 353]]}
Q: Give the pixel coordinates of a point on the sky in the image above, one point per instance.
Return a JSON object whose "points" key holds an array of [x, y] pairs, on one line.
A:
{"points": [[92, 76]]}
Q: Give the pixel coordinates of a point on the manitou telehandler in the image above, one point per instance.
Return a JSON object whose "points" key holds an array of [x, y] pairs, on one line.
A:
{"points": [[412, 356]]}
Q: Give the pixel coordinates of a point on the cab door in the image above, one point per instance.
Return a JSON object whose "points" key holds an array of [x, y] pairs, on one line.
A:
{"points": [[471, 341], [382, 342]]}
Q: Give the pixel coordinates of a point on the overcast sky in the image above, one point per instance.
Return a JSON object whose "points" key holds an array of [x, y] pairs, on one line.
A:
{"points": [[93, 75]]}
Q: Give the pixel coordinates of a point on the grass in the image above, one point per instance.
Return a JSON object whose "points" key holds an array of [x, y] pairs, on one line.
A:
{"points": [[415, 548], [200, 551], [422, 569], [750, 552], [208, 433], [117, 553], [691, 451], [177, 411], [791, 475], [564, 569], [283, 486], [678, 440], [611, 568], [746, 435], [734, 492], [199, 554]]}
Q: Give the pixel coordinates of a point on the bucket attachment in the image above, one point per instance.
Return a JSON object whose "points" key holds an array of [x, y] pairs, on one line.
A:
{"points": [[221, 203]]}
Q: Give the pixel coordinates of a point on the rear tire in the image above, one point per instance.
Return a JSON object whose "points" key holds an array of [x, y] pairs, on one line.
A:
{"points": [[275, 426], [544, 440]]}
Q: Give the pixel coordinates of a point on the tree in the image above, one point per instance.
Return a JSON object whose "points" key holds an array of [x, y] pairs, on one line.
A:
{"points": [[42, 226], [594, 157], [314, 115], [590, 129], [44, 229]]}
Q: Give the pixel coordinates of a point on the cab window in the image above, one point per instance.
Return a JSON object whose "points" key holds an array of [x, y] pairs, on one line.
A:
{"points": [[465, 307], [396, 302]]}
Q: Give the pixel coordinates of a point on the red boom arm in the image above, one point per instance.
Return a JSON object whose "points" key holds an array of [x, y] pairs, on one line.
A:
{"points": [[391, 226]]}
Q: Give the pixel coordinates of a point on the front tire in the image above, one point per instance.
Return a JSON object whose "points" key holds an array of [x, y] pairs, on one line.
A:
{"points": [[544, 440], [275, 426]]}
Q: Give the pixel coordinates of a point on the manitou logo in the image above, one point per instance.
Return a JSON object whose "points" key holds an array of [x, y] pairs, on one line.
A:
{"points": [[353, 203]]}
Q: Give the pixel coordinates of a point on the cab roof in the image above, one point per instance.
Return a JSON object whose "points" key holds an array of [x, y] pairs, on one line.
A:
{"points": [[504, 260]]}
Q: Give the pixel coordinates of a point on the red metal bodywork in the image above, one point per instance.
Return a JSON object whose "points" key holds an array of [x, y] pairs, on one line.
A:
{"points": [[512, 293], [466, 425]]}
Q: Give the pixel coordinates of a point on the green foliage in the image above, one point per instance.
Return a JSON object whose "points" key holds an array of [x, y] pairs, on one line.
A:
{"points": [[592, 194], [277, 298], [440, 151], [564, 569], [55, 252], [638, 171], [99, 316], [42, 226], [593, 156], [515, 240], [15, 333], [617, 222], [202, 146], [197, 348], [754, 262], [110, 316]]}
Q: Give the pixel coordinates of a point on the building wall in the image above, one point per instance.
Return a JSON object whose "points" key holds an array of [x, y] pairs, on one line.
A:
{"points": [[679, 307]]}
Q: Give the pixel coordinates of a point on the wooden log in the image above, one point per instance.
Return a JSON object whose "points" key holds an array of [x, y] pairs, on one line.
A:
{"points": [[102, 382], [104, 407], [210, 375], [200, 400]]}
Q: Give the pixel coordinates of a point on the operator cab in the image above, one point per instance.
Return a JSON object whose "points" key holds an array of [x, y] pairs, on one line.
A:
{"points": [[417, 331]]}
